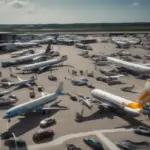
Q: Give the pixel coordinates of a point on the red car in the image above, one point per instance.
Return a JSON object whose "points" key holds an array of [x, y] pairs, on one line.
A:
{"points": [[43, 134]]}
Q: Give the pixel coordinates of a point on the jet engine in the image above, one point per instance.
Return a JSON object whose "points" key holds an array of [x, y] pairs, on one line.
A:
{"points": [[132, 112], [146, 109]]}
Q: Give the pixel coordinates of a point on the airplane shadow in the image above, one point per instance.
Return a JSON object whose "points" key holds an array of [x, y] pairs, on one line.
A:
{"points": [[97, 115], [6, 107], [133, 122], [32, 120], [134, 92]]}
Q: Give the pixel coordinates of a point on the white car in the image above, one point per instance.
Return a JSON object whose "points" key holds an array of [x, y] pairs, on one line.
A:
{"points": [[47, 122]]}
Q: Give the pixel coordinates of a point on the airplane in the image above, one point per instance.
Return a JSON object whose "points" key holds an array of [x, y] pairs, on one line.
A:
{"points": [[37, 104], [85, 101], [119, 104], [20, 53], [46, 40], [124, 53], [128, 88], [7, 47], [32, 56], [5, 93], [40, 66], [132, 67], [21, 82], [26, 44]]}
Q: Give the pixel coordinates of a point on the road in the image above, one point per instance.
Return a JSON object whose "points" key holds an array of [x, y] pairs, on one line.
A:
{"points": [[98, 133]]}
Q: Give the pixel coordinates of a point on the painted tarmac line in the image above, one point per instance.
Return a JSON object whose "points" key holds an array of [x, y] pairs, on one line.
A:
{"points": [[107, 142], [62, 139]]}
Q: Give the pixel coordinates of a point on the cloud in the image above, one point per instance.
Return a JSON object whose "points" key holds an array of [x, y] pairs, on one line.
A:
{"points": [[135, 4], [14, 3]]}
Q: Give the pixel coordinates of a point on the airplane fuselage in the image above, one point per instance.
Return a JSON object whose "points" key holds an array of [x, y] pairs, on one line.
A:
{"points": [[130, 66], [20, 83], [30, 106], [28, 57], [42, 64], [114, 101]]}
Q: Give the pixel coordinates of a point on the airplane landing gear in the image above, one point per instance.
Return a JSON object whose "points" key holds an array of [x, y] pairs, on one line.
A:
{"points": [[44, 112], [9, 120]]}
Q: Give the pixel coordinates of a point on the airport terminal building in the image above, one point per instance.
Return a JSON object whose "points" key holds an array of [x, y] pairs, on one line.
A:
{"points": [[6, 37]]}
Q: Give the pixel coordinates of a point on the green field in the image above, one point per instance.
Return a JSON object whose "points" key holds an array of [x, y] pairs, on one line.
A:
{"points": [[93, 27]]}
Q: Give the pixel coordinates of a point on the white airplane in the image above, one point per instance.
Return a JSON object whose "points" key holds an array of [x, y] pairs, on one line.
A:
{"points": [[133, 108], [25, 45], [85, 101], [20, 82], [32, 56], [37, 104], [133, 67], [43, 41], [18, 45], [20, 53], [8, 47], [40, 66]]}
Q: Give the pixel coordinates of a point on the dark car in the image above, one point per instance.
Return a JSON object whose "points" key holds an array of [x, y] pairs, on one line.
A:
{"points": [[93, 143], [52, 78], [72, 147], [6, 135], [142, 130], [13, 143], [42, 134], [129, 145], [114, 82]]}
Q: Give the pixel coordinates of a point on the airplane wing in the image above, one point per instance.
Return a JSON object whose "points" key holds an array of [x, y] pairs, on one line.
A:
{"points": [[43, 68], [53, 108], [28, 85], [19, 78], [43, 94], [106, 105]]}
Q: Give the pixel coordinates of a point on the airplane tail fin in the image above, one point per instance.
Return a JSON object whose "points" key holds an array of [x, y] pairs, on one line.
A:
{"points": [[60, 90], [48, 49], [145, 95]]}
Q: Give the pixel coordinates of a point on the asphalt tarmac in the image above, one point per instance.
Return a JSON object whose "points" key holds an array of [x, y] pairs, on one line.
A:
{"points": [[24, 127]]}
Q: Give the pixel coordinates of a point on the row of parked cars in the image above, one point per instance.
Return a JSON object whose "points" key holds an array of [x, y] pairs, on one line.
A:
{"points": [[130, 145]]}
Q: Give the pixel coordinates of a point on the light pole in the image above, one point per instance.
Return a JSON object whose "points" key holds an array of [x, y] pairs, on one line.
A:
{"points": [[15, 141]]}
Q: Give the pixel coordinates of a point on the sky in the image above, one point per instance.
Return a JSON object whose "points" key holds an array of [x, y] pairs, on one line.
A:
{"points": [[73, 11]]}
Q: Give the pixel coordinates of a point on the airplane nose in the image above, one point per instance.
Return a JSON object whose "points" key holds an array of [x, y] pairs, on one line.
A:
{"points": [[6, 116]]}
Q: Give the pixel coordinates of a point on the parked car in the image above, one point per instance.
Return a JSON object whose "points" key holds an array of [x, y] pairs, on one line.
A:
{"points": [[93, 143], [52, 78], [72, 147], [129, 145], [73, 98], [114, 82], [42, 134], [90, 86], [47, 122], [6, 135], [32, 94], [142, 130]]}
